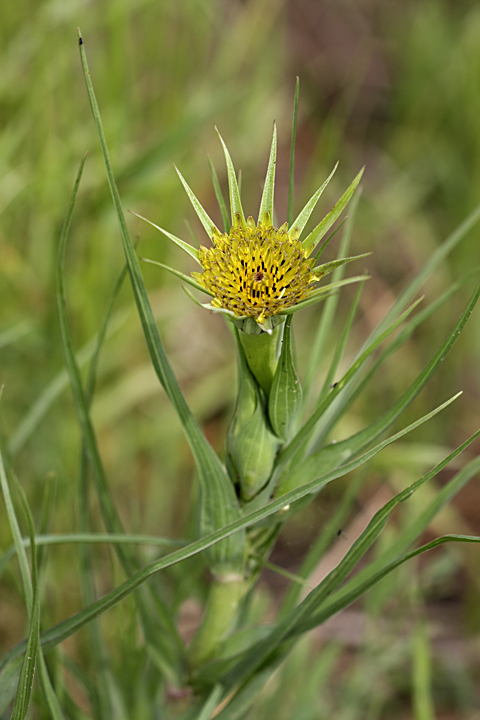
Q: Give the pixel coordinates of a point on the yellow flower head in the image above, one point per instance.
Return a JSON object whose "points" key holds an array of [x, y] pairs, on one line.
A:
{"points": [[254, 271]]}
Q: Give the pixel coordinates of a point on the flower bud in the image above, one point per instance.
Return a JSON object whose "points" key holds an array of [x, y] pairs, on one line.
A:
{"points": [[251, 444]]}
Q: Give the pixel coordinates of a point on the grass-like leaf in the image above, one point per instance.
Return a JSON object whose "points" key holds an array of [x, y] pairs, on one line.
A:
{"points": [[30, 588], [294, 450], [68, 627], [218, 502], [259, 654], [321, 339]]}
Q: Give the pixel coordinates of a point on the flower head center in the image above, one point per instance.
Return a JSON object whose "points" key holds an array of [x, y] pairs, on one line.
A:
{"points": [[256, 271]]}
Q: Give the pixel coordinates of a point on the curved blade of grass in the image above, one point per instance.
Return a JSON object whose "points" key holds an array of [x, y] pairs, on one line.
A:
{"points": [[234, 193], [412, 530], [303, 217], [171, 643], [337, 356], [435, 259], [291, 174], [261, 651], [312, 240], [266, 203], [404, 334], [358, 441], [328, 314], [218, 503], [326, 536], [30, 587], [219, 196], [68, 627], [182, 276], [210, 227], [52, 391], [193, 252], [294, 450], [88, 539]]}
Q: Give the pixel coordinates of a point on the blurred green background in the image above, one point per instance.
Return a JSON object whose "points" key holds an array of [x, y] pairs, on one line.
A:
{"points": [[392, 85]]}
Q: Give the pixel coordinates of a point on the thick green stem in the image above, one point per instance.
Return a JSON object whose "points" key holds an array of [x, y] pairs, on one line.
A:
{"points": [[261, 353], [220, 616]]}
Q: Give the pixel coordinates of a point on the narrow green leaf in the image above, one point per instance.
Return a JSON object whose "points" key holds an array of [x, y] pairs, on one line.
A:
{"points": [[193, 252], [395, 555], [298, 226], [238, 218], [435, 259], [259, 654], [360, 440], [337, 356], [265, 213], [210, 227], [219, 196], [68, 627], [30, 586], [53, 390], [322, 339], [218, 501], [312, 240], [326, 537], [171, 641], [294, 450], [291, 174], [182, 276]]}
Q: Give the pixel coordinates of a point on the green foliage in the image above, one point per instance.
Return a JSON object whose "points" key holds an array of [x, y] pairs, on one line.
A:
{"points": [[98, 543]]}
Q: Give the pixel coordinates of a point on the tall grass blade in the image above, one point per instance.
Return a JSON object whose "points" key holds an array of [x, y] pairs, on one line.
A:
{"points": [[219, 504]]}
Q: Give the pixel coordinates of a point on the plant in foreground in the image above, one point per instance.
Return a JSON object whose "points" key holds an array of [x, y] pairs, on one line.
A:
{"points": [[278, 454]]}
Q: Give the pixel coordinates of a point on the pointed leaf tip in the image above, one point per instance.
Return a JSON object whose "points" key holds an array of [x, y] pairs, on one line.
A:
{"points": [[266, 204], [234, 193], [210, 227]]}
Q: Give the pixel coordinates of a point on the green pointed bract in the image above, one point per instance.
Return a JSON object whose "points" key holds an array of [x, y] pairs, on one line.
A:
{"points": [[322, 270], [265, 214], [251, 444], [285, 398], [238, 218], [182, 276], [219, 196], [299, 223], [312, 240], [193, 252], [207, 223]]}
